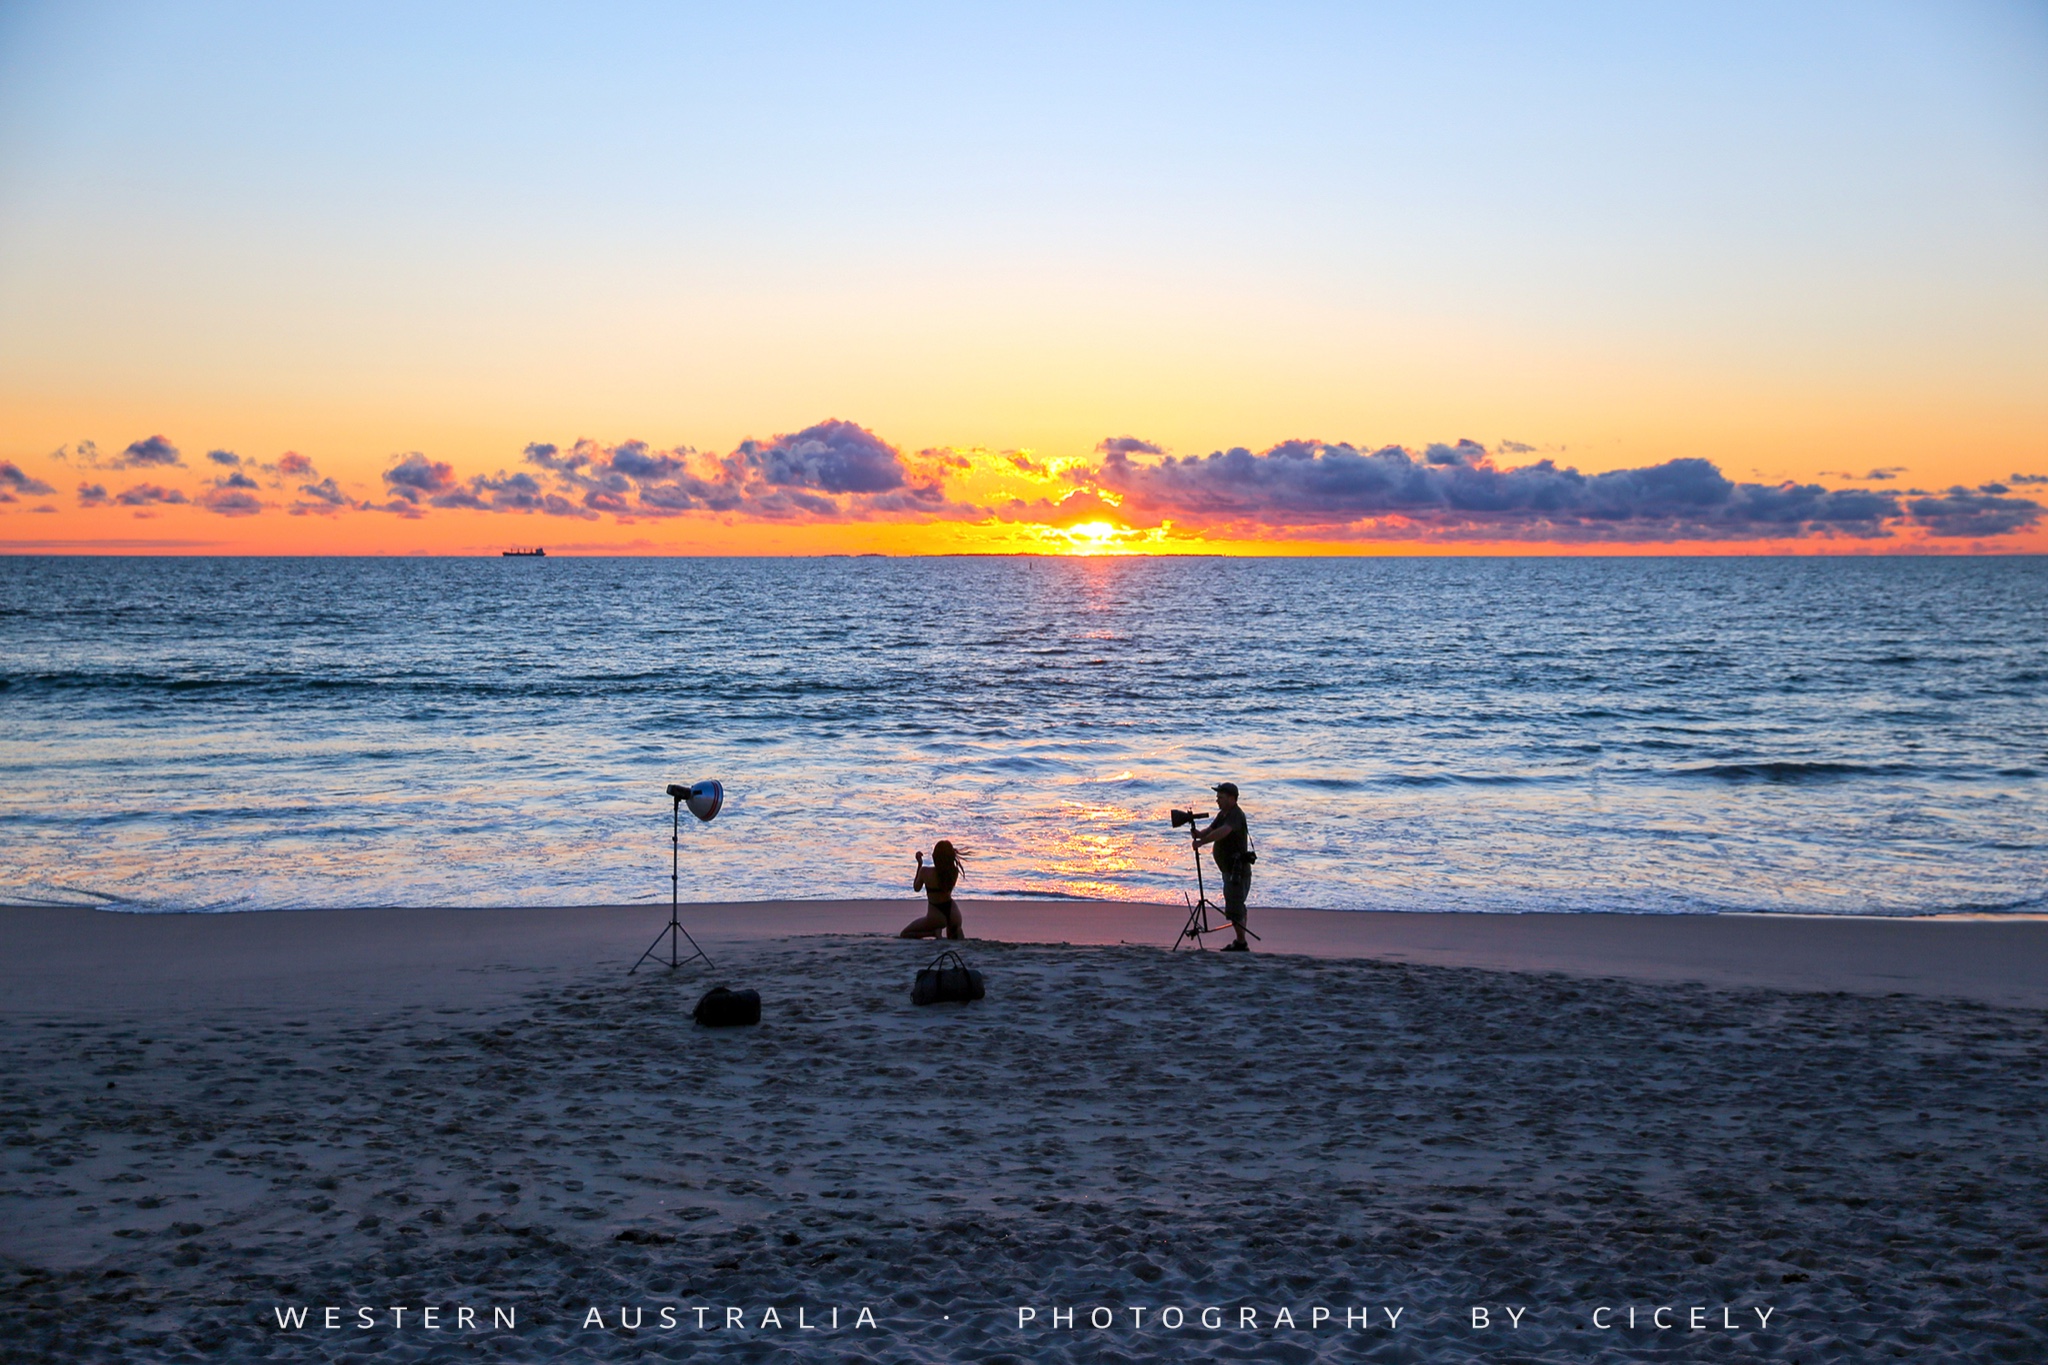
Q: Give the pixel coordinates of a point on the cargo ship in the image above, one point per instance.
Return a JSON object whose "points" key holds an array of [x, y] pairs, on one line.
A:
{"points": [[535, 553]]}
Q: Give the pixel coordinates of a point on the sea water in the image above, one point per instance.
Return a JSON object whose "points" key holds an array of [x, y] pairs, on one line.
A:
{"points": [[1813, 735]]}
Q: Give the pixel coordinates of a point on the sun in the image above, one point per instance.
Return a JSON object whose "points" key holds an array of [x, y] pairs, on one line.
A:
{"points": [[1095, 538]]}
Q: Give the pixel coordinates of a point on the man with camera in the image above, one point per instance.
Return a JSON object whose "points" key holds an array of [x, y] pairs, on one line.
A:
{"points": [[1232, 837]]}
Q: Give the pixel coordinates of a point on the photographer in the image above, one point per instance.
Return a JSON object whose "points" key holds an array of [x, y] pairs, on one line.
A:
{"points": [[1232, 837]]}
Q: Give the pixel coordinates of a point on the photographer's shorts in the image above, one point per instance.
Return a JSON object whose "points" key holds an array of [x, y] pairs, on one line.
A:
{"points": [[1237, 889]]}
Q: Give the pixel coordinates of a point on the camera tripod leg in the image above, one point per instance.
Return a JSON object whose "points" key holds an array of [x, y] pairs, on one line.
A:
{"points": [[1198, 913], [1198, 923]]}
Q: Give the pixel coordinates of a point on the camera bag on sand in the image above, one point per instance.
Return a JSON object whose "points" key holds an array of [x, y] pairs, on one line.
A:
{"points": [[946, 981], [721, 1008]]}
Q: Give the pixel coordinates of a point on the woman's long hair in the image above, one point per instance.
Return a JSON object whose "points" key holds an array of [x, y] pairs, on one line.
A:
{"points": [[946, 862]]}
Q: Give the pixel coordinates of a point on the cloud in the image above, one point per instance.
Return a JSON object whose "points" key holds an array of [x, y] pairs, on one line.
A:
{"points": [[233, 496], [503, 492], [2028, 478], [1026, 463], [226, 457], [14, 482], [628, 480], [230, 500], [521, 492], [417, 482], [415, 476], [1517, 448], [1127, 445], [831, 457], [1964, 512], [324, 499], [151, 452], [1469, 454], [834, 470], [1455, 491], [1073, 508], [149, 495], [91, 494], [293, 465]]}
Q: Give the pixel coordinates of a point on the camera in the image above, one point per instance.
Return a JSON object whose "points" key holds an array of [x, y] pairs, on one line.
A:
{"points": [[1186, 817]]}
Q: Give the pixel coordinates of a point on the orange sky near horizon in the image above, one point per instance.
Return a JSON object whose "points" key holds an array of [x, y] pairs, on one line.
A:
{"points": [[176, 508]]}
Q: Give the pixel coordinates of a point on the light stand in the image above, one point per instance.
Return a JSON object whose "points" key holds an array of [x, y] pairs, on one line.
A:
{"points": [[705, 799]]}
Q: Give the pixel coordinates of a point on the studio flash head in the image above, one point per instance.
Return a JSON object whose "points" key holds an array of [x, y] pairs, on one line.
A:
{"points": [[704, 800]]}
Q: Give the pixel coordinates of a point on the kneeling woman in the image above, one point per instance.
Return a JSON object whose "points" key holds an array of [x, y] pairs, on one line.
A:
{"points": [[942, 912]]}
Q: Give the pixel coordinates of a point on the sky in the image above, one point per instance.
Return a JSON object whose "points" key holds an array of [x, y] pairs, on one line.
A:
{"points": [[1275, 278]]}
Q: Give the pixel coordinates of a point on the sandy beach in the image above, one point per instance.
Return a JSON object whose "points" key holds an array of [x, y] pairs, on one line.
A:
{"points": [[1601, 1137]]}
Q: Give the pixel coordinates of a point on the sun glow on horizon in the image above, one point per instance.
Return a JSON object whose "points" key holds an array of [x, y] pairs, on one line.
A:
{"points": [[1095, 538]]}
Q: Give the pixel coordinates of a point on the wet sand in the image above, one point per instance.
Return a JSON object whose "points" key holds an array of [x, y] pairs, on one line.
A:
{"points": [[1826, 1136]]}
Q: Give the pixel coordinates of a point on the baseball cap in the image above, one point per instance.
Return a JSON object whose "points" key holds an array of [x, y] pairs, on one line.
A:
{"points": [[1225, 789]]}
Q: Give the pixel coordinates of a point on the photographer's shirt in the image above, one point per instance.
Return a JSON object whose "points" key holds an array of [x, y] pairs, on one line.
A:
{"points": [[1233, 837]]}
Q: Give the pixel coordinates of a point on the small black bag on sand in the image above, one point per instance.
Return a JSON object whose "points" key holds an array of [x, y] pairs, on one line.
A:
{"points": [[944, 981], [721, 1008]]}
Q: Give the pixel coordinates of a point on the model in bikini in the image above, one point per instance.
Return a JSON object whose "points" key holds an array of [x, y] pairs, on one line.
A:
{"points": [[942, 912]]}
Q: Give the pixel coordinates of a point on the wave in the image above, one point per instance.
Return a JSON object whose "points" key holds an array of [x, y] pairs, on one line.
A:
{"points": [[1769, 770], [1783, 770], [1481, 779]]}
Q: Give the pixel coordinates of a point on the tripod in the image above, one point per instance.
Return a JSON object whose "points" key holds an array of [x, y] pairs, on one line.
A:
{"points": [[1198, 913], [674, 927]]}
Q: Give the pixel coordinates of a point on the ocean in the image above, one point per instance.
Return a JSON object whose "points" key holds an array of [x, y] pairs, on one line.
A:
{"points": [[1655, 735]]}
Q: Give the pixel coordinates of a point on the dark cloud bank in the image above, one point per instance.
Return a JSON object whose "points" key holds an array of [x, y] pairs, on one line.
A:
{"points": [[1308, 488], [834, 470]]}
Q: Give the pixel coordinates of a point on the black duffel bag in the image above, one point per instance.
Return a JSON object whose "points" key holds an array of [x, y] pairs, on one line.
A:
{"points": [[721, 1008], [945, 980]]}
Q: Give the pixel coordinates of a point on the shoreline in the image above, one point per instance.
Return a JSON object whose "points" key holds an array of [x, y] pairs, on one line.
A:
{"points": [[71, 959]]}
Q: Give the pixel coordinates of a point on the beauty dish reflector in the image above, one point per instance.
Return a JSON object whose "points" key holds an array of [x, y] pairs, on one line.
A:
{"points": [[704, 800]]}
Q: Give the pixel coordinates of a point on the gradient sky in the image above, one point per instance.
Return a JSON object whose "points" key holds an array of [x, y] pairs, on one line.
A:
{"points": [[929, 259]]}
